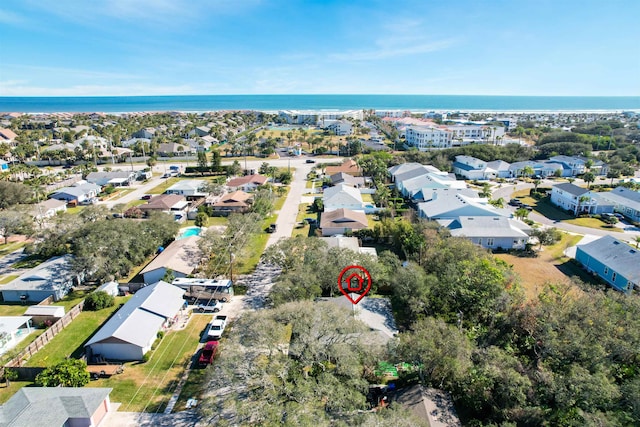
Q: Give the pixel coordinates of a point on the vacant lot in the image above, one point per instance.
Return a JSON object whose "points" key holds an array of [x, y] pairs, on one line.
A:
{"points": [[147, 387], [550, 266]]}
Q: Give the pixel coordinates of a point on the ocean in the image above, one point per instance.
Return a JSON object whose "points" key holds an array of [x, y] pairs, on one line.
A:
{"points": [[195, 103]]}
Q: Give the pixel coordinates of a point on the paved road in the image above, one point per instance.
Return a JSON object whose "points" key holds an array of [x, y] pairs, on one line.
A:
{"points": [[9, 259]]}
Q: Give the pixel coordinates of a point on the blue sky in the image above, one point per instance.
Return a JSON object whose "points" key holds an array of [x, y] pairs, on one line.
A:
{"points": [[466, 47]]}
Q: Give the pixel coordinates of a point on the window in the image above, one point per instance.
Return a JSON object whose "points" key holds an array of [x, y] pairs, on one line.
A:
{"points": [[613, 277], [606, 271], [480, 241], [490, 242]]}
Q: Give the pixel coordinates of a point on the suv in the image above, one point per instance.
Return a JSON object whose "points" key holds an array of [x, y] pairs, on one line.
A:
{"points": [[213, 307], [310, 161], [272, 228], [515, 202]]}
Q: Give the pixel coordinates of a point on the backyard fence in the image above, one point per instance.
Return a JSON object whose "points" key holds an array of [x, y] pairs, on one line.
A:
{"points": [[43, 339]]}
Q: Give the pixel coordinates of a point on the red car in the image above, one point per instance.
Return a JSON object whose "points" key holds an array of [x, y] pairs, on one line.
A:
{"points": [[208, 353]]}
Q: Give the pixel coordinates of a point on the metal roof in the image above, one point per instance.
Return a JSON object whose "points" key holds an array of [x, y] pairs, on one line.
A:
{"points": [[615, 254], [50, 275]]}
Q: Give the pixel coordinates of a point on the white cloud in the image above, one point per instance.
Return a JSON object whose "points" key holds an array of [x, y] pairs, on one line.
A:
{"points": [[388, 50], [11, 18]]}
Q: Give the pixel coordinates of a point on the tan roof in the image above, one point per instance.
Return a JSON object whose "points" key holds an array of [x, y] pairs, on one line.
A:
{"points": [[349, 166], [162, 202], [344, 218], [7, 134], [181, 255], [243, 180]]}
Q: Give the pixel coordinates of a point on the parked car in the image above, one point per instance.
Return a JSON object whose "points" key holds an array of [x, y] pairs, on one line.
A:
{"points": [[619, 216], [146, 197], [515, 202], [310, 161], [216, 327], [272, 228], [208, 353], [527, 207], [213, 307], [310, 221]]}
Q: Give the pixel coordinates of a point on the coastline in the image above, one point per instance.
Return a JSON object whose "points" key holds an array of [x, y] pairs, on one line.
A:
{"points": [[274, 103]]}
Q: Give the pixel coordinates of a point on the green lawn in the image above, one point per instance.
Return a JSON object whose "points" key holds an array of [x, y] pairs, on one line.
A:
{"points": [[10, 247], [29, 262], [13, 309], [304, 211], [310, 184], [367, 198], [148, 386], [7, 392], [74, 210], [592, 223], [69, 342], [8, 278]]}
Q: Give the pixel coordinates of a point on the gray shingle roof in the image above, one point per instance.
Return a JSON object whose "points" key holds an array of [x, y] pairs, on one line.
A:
{"points": [[487, 226], [623, 196], [49, 275], [616, 255], [571, 189]]}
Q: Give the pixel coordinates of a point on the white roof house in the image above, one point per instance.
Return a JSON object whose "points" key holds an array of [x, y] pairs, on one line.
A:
{"points": [[182, 256], [12, 330], [53, 277], [409, 187], [129, 334], [342, 196], [48, 208], [491, 232]]}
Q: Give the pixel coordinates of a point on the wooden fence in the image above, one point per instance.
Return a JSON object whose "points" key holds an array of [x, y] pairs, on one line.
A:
{"points": [[43, 339]]}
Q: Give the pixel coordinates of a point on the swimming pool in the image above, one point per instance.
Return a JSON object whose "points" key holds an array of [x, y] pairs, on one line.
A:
{"points": [[188, 232]]}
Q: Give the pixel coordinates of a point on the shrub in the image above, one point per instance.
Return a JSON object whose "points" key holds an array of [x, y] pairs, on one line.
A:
{"points": [[68, 373], [160, 335], [98, 300], [146, 357]]}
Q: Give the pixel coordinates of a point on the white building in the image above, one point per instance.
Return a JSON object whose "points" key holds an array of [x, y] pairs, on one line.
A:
{"points": [[187, 187], [131, 332], [339, 127], [342, 196], [427, 137], [314, 117]]}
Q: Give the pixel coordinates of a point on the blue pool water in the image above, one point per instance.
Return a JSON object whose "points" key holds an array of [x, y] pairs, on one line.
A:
{"points": [[189, 231]]}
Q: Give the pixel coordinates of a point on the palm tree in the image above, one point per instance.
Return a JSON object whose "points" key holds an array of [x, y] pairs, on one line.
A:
{"points": [[588, 177], [637, 241], [527, 171]]}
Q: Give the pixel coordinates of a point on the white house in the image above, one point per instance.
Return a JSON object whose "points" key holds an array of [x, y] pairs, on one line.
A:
{"points": [[625, 201], [79, 192], [187, 187], [182, 257], [339, 127], [491, 232], [469, 167], [409, 187], [130, 333], [342, 196], [576, 199], [427, 137], [451, 206], [115, 178], [12, 330]]}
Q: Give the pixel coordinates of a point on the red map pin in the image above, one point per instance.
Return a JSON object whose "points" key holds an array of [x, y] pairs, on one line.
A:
{"points": [[354, 279]]}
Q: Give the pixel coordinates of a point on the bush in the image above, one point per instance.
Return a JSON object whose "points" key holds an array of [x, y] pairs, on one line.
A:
{"points": [[160, 335], [68, 373], [98, 300], [146, 357]]}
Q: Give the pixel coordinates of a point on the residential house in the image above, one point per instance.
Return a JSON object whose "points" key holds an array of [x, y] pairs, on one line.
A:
{"points": [[48, 208], [613, 260], [181, 256], [348, 166], [491, 232], [129, 143], [12, 330], [342, 196], [190, 188], [409, 187], [40, 314], [431, 406], [199, 144], [345, 178], [578, 200], [427, 194], [236, 202], [624, 201], [171, 203], [7, 136], [471, 168], [173, 149], [53, 278], [200, 131], [56, 406], [146, 133], [78, 193], [339, 127], [577, 165], [130, 333], [115, 178], [246, 183], [351, 243], [312, 117], [400, 173], [451, 206], [341, 221]]}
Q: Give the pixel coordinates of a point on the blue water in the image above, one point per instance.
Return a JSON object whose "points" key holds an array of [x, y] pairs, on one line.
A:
{"points": [[113, 104], [190, 231]]}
